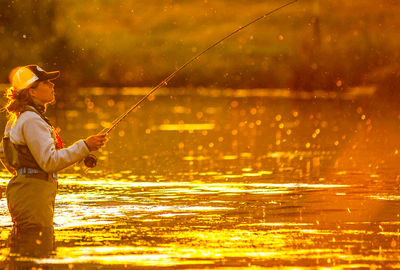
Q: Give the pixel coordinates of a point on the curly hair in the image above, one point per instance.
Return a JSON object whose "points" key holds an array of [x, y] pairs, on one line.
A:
{"points": [[17, 100]]}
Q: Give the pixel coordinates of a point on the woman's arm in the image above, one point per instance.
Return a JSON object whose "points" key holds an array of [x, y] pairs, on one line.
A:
{"points": [[37, 134]]}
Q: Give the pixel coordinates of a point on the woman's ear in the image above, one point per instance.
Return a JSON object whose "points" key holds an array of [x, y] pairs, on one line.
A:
{"points": [[31, 92]]}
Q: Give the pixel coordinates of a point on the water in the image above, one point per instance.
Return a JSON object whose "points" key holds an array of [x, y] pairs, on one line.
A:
{"points": [[200, 179]]}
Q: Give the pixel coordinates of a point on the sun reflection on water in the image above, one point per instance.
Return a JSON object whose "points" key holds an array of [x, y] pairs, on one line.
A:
{"points": [[116, 221], [229, 180]]}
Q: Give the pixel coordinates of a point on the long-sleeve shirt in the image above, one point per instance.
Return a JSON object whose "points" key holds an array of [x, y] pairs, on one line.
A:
{"points": [[31, 130]]}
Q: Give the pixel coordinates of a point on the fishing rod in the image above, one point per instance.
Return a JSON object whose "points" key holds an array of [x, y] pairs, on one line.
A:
{"points": [[107, 130]]}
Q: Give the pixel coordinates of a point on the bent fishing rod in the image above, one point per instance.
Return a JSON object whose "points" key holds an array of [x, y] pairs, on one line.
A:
{"points": [[106, 131], [91, 160]]}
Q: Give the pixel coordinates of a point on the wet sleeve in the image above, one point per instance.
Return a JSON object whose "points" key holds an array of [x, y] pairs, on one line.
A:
{"points": [[38, 138]]}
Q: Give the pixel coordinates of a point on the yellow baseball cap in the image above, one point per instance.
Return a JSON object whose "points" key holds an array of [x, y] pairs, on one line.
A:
{"points": [[25, 76]]}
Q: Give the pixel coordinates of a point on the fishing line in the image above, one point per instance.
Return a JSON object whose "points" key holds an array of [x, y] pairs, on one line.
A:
{"points": [[91, 160], [106, 131]]}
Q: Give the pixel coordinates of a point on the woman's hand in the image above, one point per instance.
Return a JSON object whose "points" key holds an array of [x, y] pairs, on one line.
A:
{"points": [[95, 142]]}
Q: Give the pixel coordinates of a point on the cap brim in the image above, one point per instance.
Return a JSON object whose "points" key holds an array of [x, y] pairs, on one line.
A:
{"points": [[50, 76]]}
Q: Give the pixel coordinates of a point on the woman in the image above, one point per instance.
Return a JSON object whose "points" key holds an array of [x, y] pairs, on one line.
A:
{"points": [[31, 192]]}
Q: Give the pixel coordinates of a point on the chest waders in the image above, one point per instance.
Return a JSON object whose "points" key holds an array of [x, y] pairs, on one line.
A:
{"points": [[31, 192]]}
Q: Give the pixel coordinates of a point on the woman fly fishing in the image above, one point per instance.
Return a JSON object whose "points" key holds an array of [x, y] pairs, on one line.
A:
{"points": [[32, 150]]}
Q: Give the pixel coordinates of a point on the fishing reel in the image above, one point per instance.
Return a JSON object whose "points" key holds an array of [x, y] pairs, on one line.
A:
{"points": [[90, 161]]}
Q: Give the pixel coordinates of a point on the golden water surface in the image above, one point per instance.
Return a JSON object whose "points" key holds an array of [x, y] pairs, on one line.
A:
{"points": [[251, 181]]}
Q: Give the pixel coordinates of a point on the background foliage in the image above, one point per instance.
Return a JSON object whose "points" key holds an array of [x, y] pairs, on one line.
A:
{"points": [[311, 44]]}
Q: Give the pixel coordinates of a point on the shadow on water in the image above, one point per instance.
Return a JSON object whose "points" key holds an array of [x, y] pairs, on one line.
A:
{"points": [[225, 179]]}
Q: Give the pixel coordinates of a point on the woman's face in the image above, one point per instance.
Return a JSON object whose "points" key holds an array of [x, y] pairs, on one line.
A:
{"points": [[44, 93]]}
